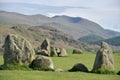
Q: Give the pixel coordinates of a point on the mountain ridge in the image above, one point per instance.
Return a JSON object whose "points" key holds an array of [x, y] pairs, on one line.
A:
{"points": [[75, 26]]}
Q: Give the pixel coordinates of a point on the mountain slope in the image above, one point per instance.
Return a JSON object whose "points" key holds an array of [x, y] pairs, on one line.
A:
{"points": [[75, 26], [36, 35], [112, 41], [82, 27], [15, 18], [91, 38]]}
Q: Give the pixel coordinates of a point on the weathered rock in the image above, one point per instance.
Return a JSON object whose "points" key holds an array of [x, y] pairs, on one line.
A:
{"points": [[77, 51], [43, 52], [38, 52], [45, 46], [79, 67], [63, 53], [58, 70], [104, 59], [17, 50], [53, 51], [42, 63], [58, 51]]}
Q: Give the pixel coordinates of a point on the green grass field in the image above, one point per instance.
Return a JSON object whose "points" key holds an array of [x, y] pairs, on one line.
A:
{"points": [[65, 63]]}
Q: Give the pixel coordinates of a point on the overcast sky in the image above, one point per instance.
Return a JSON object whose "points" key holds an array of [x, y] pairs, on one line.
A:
{"points": [[104, 12]]}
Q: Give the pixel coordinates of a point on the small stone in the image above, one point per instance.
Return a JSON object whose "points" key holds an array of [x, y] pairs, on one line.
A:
{"points": [[77, 51], [79, 67], [58, 70]]}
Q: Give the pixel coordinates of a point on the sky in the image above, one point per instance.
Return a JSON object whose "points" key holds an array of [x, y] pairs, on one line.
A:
{"points": [[104, 12]]}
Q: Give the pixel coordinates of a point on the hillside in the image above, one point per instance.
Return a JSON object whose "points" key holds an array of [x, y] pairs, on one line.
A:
{"points": [[112, 41], [90, 39], [75, 26], [80, 27], [94, 41], [16, 18], [36, 35]]}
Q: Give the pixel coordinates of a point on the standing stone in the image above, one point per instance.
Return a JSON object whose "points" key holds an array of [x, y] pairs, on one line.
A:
{"points": [[58, 51], [53, 51], [63, 53], [17, 50], [42, 63], [45, 47], [104, 59]]}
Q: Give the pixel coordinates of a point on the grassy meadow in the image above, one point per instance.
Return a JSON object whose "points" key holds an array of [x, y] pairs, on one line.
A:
{"points": [[64, 63]]}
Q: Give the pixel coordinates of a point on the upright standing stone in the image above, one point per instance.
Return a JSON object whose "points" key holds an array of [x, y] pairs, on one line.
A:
{"points": [[104, 59], [58, 51], [53, 51], [45, 47], [17, 50], [63, 53]]}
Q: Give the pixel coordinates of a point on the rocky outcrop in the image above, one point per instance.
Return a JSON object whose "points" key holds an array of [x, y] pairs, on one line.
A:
{"points": [[79, 67], [104, 59], [17, 50], [42, 63]]}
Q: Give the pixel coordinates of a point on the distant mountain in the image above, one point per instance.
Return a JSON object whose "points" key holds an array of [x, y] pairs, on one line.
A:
{"points": [[80, 27], [69, 19], [16, 18], [90, 38], [75, 26]]}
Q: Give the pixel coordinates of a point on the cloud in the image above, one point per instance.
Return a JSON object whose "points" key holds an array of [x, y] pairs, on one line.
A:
{"points": [[104, 12], [75, 3]]}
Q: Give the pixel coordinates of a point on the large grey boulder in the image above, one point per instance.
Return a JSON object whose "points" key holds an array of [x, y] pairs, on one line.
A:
{"points": [[104, 59], [45, 47], [42, 63], [63, 53], [17, 50], [79, 67]]}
